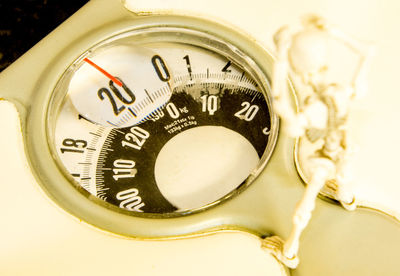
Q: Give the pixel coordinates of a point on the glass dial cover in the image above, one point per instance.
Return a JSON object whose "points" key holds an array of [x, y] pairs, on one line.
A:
{"points": [[197, 150]]}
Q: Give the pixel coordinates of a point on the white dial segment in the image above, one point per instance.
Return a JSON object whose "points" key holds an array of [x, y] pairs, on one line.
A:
{"points": [[78, 144], [145, 88], [195, 66]]}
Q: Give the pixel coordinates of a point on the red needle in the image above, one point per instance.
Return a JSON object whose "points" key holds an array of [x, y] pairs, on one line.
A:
{"points": [[108, 75]]}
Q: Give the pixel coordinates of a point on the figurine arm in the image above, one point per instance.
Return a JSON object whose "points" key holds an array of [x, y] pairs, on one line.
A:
{"points": [[364, 50], [282, 42], [293, 122]]}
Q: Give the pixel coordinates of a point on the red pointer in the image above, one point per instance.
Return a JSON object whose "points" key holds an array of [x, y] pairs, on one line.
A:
{"points": [[108, 75]]}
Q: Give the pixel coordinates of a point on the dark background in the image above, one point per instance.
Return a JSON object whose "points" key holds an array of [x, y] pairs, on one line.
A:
{"points": [[24, 22]]}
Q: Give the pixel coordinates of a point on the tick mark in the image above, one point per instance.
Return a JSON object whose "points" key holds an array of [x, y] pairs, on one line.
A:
{"points": [[95, 134], [147, 93]]}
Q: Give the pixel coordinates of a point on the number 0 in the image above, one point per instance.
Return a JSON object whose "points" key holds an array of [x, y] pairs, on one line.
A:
{"points": [[161, 68]]}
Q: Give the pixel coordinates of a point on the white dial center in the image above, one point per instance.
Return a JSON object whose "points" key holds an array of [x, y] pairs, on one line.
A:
{"points": [[203, 164]]}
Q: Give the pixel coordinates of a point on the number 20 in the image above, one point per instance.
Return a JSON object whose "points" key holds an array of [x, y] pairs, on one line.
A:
{"points": [[248, 112], [104, 91]]}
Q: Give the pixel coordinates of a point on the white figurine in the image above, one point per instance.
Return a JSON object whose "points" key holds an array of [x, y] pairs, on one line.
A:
{"points": [[320, 122]]}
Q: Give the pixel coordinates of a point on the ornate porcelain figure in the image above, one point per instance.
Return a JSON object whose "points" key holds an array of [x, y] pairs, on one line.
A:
{"points": [[320, 122]]}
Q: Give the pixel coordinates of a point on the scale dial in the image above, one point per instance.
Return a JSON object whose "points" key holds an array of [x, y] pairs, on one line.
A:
{"points": [[199, 149]]}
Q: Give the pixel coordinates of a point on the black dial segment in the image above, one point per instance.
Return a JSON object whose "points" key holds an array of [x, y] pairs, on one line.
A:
{"points": [[125, 174]]}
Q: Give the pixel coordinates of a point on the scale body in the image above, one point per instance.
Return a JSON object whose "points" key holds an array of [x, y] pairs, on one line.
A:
{"points": [[264, 208]]}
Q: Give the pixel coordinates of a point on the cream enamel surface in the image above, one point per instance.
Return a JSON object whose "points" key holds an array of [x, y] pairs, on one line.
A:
{"points": [[56, 244]]}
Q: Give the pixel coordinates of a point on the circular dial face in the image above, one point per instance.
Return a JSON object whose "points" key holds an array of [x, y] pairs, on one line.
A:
{"points": [[197, 150]]}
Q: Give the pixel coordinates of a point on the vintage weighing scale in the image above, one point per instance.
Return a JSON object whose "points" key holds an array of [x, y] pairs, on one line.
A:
{"points": [[209, 155]]}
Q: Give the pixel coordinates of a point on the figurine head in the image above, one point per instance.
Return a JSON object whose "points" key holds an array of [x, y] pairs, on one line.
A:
{"points": [[308, 53]]}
